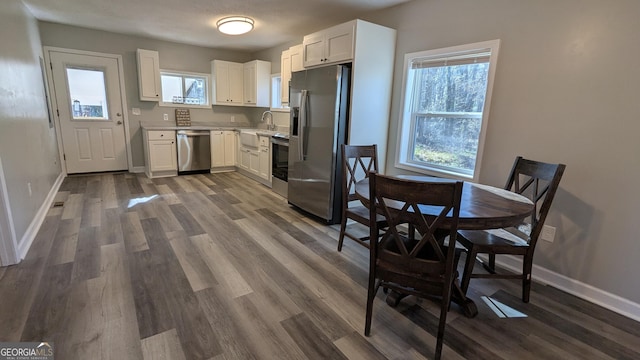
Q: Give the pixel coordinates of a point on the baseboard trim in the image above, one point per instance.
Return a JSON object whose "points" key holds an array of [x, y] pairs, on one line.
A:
{"points": [[587, 292], [34, 227], [136, 169]]}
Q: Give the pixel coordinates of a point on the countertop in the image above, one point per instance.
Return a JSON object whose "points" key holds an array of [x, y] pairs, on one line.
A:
{"points": [[196, 126]]}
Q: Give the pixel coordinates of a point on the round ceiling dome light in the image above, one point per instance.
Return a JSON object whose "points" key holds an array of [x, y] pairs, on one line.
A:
{"points": [[235, 25]]}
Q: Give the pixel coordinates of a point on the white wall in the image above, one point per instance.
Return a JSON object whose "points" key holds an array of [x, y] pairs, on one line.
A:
{"points": [[27, 144], [566, 90]]}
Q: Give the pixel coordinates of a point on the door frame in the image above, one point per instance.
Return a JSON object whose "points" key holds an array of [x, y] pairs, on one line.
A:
{"points": [[8, 246], [54, 105]]}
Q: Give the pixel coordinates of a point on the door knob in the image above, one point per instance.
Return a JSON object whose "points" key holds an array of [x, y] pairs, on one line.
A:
{"points": [[119, 122], [118, 114]]}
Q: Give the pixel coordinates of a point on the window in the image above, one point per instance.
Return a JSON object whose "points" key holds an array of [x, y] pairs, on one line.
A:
{"points": [[88, 94], [276, 90], [447, 95], [184, 89]]}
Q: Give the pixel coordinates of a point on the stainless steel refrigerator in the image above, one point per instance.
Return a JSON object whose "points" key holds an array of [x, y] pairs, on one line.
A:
{"points": [[319, 102]]}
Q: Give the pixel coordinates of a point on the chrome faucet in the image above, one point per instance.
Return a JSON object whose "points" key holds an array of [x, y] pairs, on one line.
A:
{"points": [[270, 124]]}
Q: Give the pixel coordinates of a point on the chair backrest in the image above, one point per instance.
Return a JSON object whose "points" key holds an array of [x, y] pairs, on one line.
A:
{"points": [[538, 181], [425, 206], [357, 162]]}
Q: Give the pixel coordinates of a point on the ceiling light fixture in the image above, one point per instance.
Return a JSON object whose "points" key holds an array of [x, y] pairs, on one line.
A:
{"points": [[235, 25]]}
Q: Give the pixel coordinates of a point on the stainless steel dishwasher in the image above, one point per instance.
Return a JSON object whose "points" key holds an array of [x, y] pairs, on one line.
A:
{"points": [[194, 151]]}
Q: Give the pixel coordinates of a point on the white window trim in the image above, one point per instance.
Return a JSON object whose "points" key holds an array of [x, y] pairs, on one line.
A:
{"points": [[188, 73], [282, 107], [405, 127]]}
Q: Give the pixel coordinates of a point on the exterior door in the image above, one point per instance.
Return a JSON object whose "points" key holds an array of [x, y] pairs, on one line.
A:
{"points": [[89, 104]]}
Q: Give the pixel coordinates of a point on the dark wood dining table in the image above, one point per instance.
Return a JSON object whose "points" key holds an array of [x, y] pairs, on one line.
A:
{"points": [[482, 207]]}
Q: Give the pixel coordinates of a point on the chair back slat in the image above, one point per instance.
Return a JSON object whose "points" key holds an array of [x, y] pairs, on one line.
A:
{"points": [[357, 162], [539, 182]]}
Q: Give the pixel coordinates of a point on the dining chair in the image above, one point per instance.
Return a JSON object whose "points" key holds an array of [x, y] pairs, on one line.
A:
{"points": [[357, 162], [420, 265], [536, 180]]}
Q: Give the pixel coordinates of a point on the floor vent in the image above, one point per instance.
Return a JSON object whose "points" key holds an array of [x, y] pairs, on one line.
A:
{"points": [[58, 204]]}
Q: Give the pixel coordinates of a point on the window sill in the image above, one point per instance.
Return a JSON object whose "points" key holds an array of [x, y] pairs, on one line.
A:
{"points": [[161, 104], [434, 172]]}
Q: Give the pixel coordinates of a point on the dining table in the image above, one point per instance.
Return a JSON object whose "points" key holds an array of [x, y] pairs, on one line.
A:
{"points": [[482, 207]]}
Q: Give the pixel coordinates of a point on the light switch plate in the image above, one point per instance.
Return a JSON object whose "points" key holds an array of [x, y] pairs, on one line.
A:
{"points": [[135, 111]]}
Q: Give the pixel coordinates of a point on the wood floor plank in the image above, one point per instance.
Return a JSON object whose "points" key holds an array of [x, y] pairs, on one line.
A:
{"points": [[86, 263], [194, 267], [134, 237], [91, 212], [108, 192], [187, 221], [217, 261], [163, 346], [111, 230], [313, 342], [73, 207], [65, 242], [47, 311], [223, 316], [167, 194], [354, 347]]}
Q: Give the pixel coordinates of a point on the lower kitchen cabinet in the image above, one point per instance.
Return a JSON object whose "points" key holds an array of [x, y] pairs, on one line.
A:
{"points": [[160, 153], [223, 150], [255, 162], [264, 159]]}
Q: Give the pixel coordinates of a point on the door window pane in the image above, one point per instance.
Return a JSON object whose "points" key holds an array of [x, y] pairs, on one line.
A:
{"points": [[88, 94]]}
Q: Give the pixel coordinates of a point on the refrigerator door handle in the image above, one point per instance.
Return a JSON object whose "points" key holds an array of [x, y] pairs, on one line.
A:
{"points": [[304, 98]]}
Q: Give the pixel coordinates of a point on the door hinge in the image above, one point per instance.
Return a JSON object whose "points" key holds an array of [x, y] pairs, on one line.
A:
{"points": [[64, 157], [58, 112], [51, 65]]}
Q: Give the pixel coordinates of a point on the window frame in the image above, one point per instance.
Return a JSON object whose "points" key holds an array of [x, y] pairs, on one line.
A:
{"points": [[275, 98], [183, 74], [406, 121]]}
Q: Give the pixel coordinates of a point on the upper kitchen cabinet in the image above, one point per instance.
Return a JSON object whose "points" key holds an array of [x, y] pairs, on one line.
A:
{"points": [[257, 83], [149, 75], [229, 84], [329, 46], [296, 57], [290, 61], [285, 76]]}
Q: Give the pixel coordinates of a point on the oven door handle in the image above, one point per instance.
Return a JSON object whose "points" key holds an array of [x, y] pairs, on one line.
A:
{"points": [[280, 142]]}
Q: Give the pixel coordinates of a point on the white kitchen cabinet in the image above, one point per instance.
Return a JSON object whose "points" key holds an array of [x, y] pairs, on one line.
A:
{"points": [[257, 83], [296, 53], [290, 61], [160, 153], [285, 76], [223, 150], [264, 159], [229, 83], [149, 75], [329, 46]]}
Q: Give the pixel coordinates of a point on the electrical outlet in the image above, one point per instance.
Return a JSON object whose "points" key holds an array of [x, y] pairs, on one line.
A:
{"points": [[135, 111], [233, 118], [29, 187], [548, 233], [166, 117]]}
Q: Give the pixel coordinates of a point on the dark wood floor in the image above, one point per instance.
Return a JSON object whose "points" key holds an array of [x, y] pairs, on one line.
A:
{"points": [[217, 266]]}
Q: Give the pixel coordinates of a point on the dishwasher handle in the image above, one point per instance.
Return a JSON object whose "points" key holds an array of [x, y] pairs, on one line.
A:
{"points": [[194, 132]]}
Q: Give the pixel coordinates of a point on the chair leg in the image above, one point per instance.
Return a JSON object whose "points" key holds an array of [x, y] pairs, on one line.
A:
{"points": [[343, 228], [492, 263], [468, 269], [527, 264], [371, 295], [444, 309]]}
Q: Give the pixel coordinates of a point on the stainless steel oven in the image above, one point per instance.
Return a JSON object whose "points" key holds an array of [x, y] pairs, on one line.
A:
{"points": [[279, 163]]}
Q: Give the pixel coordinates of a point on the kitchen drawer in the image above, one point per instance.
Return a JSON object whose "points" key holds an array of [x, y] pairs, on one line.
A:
{"points": [[161, 134]]}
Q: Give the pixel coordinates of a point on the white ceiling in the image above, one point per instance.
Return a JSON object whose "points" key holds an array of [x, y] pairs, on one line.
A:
{"points": [[193, 21]]}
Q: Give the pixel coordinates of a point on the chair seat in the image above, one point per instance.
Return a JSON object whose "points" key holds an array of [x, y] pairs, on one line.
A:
{"points": [[361, 214], [493, 237]]}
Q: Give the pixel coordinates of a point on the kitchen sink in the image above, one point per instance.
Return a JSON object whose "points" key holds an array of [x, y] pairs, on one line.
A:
{"points": [[249, 138]]}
